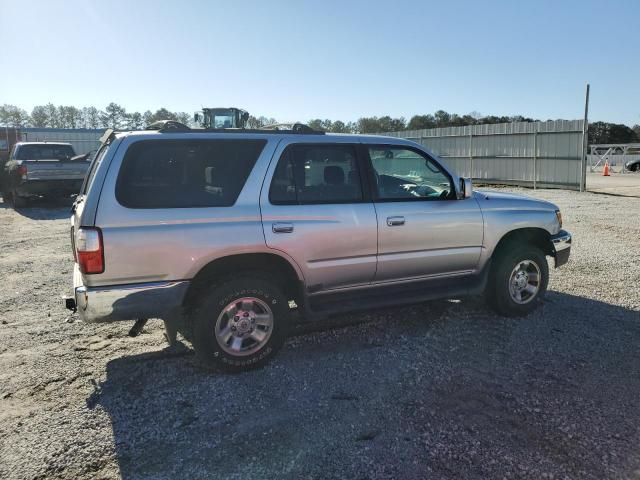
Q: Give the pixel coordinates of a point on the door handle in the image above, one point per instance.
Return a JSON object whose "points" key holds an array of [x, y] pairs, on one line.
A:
{"points": [[395, 221], [282, 227]]}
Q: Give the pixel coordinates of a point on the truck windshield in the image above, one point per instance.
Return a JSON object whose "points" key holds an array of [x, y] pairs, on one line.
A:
{"points": [[45, 152], [222, 120]]}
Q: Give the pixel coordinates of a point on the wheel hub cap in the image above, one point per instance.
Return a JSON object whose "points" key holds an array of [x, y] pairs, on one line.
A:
{"points": [[244, 326], [524, 283]]}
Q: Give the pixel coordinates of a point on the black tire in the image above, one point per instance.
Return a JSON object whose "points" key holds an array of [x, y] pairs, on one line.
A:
{"points": [[505, 261], [208, 347]]}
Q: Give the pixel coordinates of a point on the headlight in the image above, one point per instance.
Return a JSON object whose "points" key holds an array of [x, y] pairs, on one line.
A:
{"points": [[559, 217]]}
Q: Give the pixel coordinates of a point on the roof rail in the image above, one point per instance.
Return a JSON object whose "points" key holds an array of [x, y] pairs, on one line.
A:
{"points": [[171, 126], [294, 128], [168, 126]]}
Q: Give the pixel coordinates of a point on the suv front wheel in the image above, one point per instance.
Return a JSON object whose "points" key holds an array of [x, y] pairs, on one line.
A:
{"points": [[518, 280], [241, 324]]}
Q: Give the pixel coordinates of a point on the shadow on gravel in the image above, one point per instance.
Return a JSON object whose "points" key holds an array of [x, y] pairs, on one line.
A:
{"points": [[44, 209], [438, 390]]}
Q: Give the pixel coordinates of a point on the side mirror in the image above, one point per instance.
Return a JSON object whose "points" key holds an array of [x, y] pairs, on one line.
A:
{"points": [[466, 188], [196, 117]]}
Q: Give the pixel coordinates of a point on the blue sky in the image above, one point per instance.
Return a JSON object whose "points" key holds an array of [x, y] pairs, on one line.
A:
{"points": [[296, 60]]}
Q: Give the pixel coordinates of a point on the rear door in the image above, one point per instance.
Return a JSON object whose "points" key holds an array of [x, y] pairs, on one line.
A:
{"points": [[423, 229], [317, 211]]}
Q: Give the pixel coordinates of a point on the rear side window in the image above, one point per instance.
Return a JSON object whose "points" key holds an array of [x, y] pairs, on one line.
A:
{"points": [[185, 173], [312, 174]]}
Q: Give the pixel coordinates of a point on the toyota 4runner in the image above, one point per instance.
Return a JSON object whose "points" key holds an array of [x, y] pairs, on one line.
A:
{"points": [[224, 233]]}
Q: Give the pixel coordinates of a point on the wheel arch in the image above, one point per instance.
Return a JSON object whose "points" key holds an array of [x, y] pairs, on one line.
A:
{"points": [[278, 268], [539, 237]]}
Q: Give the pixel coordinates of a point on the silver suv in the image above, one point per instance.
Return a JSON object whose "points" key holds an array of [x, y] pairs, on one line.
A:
{"points": [[225, 233]]}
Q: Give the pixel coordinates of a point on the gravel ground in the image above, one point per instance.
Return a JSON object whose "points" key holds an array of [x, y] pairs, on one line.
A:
{"points": [[439, 390]]}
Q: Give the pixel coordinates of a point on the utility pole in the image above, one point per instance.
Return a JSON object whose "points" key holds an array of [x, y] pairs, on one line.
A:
{"points": [[585, 143]]}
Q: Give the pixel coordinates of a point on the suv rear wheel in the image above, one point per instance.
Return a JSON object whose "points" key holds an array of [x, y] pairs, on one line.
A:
{"points": [[241, 324], [518, 280]]}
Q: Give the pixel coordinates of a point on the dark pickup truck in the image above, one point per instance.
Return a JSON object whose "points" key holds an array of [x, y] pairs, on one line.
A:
{"points": [[37, 169]]}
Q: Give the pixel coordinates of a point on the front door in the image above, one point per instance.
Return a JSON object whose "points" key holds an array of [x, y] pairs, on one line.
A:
{"points": [[315, 212], [423, 228]]}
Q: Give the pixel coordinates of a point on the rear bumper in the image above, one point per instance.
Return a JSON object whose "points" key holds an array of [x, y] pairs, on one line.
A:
{"points": [[562, 247], [128, 302], [49, 187]]}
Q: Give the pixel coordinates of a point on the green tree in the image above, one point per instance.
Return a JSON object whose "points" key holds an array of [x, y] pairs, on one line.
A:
{"points": [[604, 132], [340, 127], [369, 125], [162, 114], [12, 116], [69, 116], [134, 121], [442, 118], [52, 115], [184, 117], [40, 116], [92, 117], [113, 116], [320, 125], [420, 122]]}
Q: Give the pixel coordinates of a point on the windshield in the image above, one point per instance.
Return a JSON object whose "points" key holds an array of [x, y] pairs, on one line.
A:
{"points": [[222, 121], [45, 152]]}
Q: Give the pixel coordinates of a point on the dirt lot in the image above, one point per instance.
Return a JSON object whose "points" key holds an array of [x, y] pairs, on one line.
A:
{"points": [[439, 390]]}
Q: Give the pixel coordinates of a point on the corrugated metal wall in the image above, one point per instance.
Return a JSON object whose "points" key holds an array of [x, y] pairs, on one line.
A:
{"points": [[83, 139], [545, 154]]}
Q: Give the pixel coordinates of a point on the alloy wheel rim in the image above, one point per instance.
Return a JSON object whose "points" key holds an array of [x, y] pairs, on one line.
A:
{"points": [[524, 282], [244, 326]]}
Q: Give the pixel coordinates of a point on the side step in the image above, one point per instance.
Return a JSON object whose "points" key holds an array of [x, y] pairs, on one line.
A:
{"points": [[387, 296]]}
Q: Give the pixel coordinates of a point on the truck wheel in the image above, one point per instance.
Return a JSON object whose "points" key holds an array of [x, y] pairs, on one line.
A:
{"points": [[518, 280], [241, 324]]}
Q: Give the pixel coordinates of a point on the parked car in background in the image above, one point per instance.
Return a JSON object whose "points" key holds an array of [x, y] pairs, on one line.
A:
{"points": [[42, 169], [633, 165], [227, 232]]}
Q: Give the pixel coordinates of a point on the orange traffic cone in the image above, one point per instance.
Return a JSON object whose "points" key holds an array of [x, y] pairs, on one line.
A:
{"points": [[605, 170]]}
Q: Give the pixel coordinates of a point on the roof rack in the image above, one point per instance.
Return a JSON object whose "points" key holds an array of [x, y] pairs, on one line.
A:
{"points": [[168, 126], [289, 127], [171, 126]]}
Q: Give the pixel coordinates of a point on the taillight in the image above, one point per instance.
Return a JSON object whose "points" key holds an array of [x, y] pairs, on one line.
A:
{"points": [[22, 170], [89, 250]]}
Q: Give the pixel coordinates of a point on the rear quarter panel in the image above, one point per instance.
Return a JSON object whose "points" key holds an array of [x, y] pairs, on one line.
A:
{"points": [[144, 245]]}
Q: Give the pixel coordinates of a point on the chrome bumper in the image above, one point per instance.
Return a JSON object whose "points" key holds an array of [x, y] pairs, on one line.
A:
{"points": [[128, 302], [561, 246]]}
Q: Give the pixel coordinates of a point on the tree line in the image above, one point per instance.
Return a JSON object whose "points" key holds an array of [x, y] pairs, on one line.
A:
{"points": [[115, 116], [67, 116]]}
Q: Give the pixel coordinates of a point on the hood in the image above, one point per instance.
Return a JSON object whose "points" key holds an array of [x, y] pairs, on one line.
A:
{"points": [[492, 199]]}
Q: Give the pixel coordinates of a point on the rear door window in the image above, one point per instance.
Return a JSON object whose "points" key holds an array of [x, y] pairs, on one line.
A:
{"points": [[185, 173], [315, 174]]}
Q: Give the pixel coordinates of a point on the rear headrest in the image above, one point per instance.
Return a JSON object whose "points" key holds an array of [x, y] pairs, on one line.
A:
{"points": [[208, 175], [333, 175]]}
